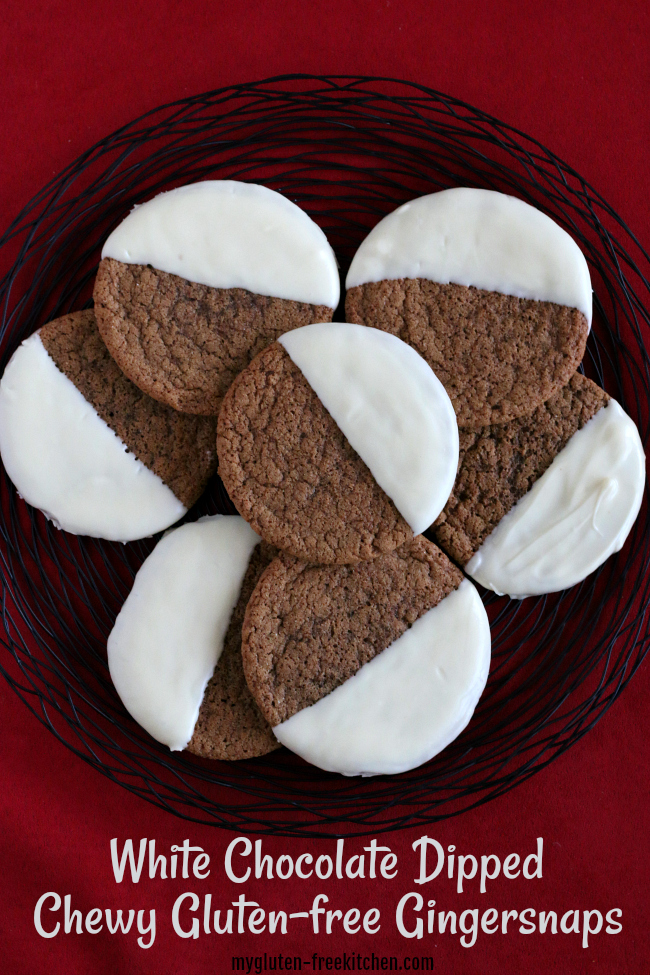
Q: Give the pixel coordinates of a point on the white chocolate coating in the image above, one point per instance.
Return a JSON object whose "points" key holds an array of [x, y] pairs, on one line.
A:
{"points": [[231, 235], [574, 517], [391, 407], [408, 703], [169, 634], [480, 238], [65, 460]]}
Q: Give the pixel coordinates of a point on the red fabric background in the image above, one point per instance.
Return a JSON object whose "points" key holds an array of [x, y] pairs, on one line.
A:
{"points": [[576, 76]]}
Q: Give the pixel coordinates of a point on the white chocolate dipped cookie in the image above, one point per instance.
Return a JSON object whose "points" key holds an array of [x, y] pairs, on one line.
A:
{"points": [[87, 447], [543, 501], [367, 669], [174, 652], [490, 291], [195, 282], [338, 443]]}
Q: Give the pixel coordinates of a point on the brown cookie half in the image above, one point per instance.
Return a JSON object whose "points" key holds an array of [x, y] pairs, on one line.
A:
{"points": [[293, 475], [230, 725], [179, 448], [184, 343], [500, 463], [497, 356], [308, 628]]}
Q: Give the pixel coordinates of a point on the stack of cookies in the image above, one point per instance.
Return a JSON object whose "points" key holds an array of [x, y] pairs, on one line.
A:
{"points": [[497, 298], [321, 618], [108, 419]]}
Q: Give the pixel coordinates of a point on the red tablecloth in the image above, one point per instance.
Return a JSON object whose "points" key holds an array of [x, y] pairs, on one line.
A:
{"points": [[576, 76]]}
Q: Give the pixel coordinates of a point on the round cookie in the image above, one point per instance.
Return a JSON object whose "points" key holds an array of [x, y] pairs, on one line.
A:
{"points": [[87, 447], [337, 443], [490, 291], [174, 652], [371, 668], [195, 282], [542, 501]]}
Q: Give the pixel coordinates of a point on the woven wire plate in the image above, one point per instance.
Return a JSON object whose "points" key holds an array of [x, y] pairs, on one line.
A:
{"points": [[347, 150]]}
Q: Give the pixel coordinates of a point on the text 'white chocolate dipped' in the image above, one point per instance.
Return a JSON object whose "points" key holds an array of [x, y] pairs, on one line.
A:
{"points": [[574, 517], [65, 460], [170, 632], [390, 405], [227, 234], [477, 238], [408, 703]]}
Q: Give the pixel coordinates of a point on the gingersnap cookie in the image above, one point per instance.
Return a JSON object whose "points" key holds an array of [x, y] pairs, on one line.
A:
{"points": [[542, 501], [370, 668], [87, 447], [174, 652], [490, 291], [195, 282], [337, 443], [230, 725]]}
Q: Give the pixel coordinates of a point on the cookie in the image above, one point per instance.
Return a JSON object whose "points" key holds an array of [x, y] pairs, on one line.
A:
{"points": [[230, 725], [174, 652], [195, 282], [542, 501], [337, 443], [87, 447], [370, 668], [490, 291]]}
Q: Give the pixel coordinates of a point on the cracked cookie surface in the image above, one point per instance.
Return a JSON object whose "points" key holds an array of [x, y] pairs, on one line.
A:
{"points": [[292, 474], [499, 464], [179, 448], [497, 356], [308, 628], [230, 726], [183, 343]]}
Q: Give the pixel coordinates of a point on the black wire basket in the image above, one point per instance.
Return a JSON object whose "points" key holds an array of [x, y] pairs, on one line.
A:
{"points": [[348, 151]]}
